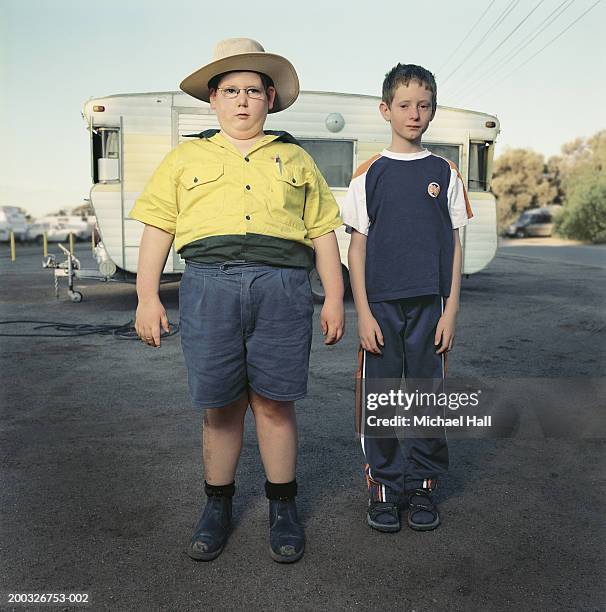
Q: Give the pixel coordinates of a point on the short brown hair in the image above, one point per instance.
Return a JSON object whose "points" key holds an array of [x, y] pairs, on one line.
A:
{"points": [[402, 74]]}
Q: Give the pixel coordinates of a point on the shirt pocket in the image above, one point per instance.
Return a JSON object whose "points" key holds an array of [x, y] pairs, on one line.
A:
{"points": [[287, 202], [203, 191]]}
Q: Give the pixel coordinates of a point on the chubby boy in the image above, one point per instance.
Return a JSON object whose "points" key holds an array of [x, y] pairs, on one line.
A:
{"points": [[405, 207], [250, 213]]}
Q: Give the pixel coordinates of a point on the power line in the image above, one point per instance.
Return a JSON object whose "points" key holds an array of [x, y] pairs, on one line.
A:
{"points": [[464, 38], [549, 43], [498, 22], [542, 27], [555, 37], [518, 26], [493, 69]]}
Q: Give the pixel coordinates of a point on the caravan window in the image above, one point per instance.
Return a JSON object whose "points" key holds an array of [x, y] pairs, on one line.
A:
{"points": [[334, 158], [478, 166], [450, 152], [106, 154]]}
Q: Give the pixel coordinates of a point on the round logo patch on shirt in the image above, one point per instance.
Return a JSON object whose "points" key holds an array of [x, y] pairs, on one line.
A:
{"points": [[433, 189]]}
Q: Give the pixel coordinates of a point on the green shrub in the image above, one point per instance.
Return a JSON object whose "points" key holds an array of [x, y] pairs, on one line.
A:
{"points": [[584, 213]]}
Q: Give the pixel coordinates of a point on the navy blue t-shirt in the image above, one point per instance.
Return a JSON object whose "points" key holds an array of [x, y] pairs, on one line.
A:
{"points": [[407, 205]]}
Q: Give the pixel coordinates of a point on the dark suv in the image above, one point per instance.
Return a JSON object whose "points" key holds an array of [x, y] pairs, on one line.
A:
{"points": [[533, 222]]}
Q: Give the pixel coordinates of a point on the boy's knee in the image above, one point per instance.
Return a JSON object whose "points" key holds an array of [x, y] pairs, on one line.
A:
{"points": [[278, 412], [231, 415]]}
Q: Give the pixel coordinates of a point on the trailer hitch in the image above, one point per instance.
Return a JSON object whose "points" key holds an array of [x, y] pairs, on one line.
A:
{"points": [[65, 268]]}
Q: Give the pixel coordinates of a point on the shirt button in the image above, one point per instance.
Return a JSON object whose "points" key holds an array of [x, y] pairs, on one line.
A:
{"points": [[294, 180], [248, 217], [246, 159], [248, 187], [195, 179]]}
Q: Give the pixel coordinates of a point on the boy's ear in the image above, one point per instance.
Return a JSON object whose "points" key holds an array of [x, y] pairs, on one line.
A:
{"points": [[385, 111], [212, 96], [271, 96]]}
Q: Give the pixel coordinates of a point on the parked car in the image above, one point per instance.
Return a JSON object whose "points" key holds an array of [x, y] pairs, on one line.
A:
{"points": [[13, 220], [534, 222], [58, 228]]}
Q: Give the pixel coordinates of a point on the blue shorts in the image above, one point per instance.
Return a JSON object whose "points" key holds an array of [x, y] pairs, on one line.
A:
{"points": [[244, 325]]}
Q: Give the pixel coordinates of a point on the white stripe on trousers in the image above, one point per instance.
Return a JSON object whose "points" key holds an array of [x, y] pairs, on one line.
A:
{"points": [[363, 420]]}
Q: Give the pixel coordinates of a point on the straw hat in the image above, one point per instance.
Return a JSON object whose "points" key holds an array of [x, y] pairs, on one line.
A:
{"points": [[245, 54]]}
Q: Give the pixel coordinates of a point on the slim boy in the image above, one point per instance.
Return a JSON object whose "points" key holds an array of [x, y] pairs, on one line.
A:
{"points": [[247, 210], [405, 207]]}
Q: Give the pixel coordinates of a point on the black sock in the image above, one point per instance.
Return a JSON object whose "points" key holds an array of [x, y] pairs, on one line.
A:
{"points": [[283, 491], [220, 490]]}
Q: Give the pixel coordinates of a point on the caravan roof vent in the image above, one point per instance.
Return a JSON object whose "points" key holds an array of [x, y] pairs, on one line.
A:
{"points": [[335, 122]]}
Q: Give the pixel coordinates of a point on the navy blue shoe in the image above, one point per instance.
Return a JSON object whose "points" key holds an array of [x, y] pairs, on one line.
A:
{"points": [[214, 526], [383, 510], [286, 534], [383, 516], [422, 511]]}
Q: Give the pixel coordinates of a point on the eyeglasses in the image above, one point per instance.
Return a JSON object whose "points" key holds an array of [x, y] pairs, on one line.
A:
{"points": [[233, 92]]}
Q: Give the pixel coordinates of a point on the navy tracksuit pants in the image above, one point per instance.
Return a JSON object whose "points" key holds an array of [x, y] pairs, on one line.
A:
{"points": [[408, 326]]}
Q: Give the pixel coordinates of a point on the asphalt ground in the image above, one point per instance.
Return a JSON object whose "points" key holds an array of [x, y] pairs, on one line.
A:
{"points": [[102, 478], [553, 249]]}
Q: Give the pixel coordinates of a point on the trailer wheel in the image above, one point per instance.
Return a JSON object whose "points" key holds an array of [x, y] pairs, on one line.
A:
{"points": [[75, 296], [317, 290]]}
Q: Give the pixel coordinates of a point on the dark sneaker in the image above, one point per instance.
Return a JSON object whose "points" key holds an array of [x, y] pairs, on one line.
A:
{"points": [[286, 534], [422, 512], [383, 516], [212, 529]]}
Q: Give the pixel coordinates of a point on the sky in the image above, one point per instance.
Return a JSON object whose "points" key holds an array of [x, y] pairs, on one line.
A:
{"points": [[487, 56]]}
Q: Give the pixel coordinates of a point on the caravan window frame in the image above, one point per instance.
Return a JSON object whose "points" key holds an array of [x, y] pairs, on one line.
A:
{"points": [[96, 131], [483, 181], [353, 141], [457, 145]]}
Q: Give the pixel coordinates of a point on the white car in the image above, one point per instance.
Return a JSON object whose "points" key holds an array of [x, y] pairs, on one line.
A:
{"points": [[55, 232], [13, 220]]}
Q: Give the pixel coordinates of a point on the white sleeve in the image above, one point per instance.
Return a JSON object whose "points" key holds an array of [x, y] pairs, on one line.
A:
{"points": [[353, 207], [457, 201]]}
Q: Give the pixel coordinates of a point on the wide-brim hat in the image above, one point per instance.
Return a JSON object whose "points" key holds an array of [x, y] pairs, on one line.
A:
{"points": [[245, 54]]}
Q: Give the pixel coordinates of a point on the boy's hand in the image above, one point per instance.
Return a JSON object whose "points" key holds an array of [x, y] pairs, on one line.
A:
{"points": [[444, 338], [371, 336], [332, 320], [150, 315]]}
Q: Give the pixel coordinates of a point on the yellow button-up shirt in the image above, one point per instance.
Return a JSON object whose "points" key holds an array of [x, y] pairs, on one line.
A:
{"points": [[265, 207]]}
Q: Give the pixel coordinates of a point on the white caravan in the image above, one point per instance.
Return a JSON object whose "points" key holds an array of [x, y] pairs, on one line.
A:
{"points": [[131, 133]]}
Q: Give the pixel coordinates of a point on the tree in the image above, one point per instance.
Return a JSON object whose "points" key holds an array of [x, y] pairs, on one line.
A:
{"points": [[581, 160], [83, 209], [581, 167], [521, 180], [584, 216]]}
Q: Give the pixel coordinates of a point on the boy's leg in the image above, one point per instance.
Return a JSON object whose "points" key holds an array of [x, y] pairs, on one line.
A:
{"points": [[426, 456], [382, 451], [213, 347], [278, 341], [384, 456], [222, 441], [221, 445], [277, 434]]}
